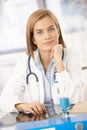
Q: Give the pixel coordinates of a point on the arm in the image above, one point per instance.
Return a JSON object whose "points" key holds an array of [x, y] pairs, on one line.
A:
{"points": [[12, 98], [69, 75], [13, 91], [35, 108], [79, 107]]}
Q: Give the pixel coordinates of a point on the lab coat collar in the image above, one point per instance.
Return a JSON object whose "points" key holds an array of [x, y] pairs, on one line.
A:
{"points": [[37, 57]]}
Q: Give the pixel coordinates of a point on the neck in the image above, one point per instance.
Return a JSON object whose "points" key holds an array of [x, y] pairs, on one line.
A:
{"points": [[45, 59]]}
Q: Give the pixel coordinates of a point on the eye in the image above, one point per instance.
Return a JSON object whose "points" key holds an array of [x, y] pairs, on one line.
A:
{"points": [[51, 29], [39, 32]]}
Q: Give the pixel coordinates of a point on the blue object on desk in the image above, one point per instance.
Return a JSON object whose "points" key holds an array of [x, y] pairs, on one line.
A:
{"points": [[64, 104], [55, 124]]}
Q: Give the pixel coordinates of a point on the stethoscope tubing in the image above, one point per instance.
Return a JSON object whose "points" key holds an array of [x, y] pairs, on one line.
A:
{"points": [[32, 73]]}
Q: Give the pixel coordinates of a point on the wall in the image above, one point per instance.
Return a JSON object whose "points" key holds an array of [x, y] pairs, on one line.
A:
{"points": [[7, 67]]}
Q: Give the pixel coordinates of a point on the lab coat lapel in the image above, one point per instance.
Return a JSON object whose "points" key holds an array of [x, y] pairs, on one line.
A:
{"points": [[40, 82]]}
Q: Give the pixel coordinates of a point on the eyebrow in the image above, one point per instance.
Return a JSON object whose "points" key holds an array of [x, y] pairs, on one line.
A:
{"points": [[50, 26], [42, 29]]}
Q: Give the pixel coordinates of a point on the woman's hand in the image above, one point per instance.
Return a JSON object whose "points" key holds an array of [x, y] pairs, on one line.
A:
{"points": [[56, 54], [35, 108]]}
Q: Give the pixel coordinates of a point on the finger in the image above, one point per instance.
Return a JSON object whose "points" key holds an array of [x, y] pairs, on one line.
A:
{"points": [[31, 110], [44, 108], [40, 108], [33, 118], [37, 117], [36, 109], [42, 117]]}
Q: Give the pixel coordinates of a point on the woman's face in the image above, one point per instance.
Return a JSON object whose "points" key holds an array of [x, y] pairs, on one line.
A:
{"points": [[45, 34]]}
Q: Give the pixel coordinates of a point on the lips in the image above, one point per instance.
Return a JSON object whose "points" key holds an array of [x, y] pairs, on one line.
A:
{"points": [[48, 43]]}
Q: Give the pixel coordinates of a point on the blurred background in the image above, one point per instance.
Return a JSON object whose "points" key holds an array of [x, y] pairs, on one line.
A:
{"points": [[72, 16]]}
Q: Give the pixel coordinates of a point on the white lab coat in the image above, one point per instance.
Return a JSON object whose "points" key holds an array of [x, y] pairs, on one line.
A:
{"points": [[69, 83]]}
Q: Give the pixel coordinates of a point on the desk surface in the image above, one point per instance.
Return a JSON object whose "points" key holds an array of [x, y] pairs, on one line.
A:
{"points": [[8, 121]]}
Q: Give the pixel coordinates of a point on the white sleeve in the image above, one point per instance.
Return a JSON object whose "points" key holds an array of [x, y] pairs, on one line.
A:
{"points": [[70, 80], [14, 89]]}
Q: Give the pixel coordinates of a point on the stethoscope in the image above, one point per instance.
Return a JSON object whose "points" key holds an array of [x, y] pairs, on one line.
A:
{"points": [[32, 73]]}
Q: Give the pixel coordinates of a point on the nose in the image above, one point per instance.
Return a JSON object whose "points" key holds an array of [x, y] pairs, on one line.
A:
{"points": [[47, 35]]}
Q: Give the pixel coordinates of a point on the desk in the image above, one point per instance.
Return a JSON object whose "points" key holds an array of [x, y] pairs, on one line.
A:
{"points": [[12, 121], [7, 120]]}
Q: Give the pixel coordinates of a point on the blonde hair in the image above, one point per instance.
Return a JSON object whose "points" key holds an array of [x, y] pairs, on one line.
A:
{"points": [[32, 20]]}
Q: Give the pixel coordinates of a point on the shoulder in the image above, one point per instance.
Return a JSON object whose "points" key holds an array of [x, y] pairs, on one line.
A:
{"points": [[22, 60], [72, 57], [22, 57], [72, 52]]}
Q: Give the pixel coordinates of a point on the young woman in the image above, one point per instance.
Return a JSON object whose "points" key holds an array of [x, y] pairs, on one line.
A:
{"points": [[46, 72]]}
